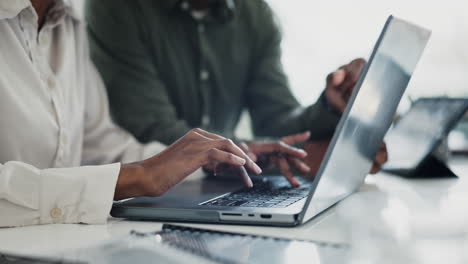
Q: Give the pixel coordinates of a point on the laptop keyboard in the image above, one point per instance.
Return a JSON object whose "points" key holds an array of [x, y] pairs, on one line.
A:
{"points": [[262, 195]]}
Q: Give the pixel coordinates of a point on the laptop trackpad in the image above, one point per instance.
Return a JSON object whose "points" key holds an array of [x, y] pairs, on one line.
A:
{"points": [[189, 193]]}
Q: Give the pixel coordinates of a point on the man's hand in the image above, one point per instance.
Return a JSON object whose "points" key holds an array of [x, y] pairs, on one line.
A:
{"points": [[316, 151], [198, 148], [280, 154], [340, 84]]}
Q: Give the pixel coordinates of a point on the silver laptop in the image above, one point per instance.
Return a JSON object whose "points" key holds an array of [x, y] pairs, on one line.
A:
{"points": [[272, 201]]}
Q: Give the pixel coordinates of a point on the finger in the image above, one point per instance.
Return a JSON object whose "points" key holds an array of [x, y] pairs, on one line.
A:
{"points": [[286, 171], [225, 166], [245, 177], [333, 91], [244, 149], [214, 155], [375, 168], [300, 165], [248, 151], [297, 138], [336, 78], [380, 159], [191, 135], [282, 148], [353, 72], [228, 145], [208, 134]]}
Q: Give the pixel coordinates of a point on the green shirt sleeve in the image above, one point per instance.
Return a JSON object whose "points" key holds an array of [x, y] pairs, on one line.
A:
{"points": [[138, 98], [272, 106]]}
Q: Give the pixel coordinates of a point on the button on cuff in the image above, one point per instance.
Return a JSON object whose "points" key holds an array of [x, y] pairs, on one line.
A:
{"points": [[56, 213]]}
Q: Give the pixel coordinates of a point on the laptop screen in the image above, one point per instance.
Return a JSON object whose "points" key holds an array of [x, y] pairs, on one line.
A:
{"points": [[368, 115]]}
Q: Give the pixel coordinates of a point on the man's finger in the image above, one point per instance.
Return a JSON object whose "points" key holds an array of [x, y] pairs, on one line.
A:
{"points": [[375, 168], [223, 157], [282, 148], [228, 145], [333, 90], [248, 151], [336, 78], [286, 171], [353, 72], [297, 138], [300, 165], [380, 159], [214, 155]]}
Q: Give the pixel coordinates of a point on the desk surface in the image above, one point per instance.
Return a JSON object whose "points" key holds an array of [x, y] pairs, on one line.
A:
{"points": [[375, 202]]}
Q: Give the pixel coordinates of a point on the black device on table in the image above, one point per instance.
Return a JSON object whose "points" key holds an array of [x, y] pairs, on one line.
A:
{"points": [[413, 141]]}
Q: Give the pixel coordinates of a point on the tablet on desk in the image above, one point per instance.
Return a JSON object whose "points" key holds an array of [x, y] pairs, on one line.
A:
{"points": [[412, 141]]}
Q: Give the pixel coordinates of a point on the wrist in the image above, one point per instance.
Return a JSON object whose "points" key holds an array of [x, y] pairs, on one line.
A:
{"points": [[130, 182], [326, 104]]}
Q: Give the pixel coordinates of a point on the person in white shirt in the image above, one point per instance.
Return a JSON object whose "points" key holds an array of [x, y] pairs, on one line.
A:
{"points": [[56, 130]]}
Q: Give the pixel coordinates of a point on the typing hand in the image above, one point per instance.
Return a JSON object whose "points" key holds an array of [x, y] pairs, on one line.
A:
{"points": [[198, 148], [280, 154]]}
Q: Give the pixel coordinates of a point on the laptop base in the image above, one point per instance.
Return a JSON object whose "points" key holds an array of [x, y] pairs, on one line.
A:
{"points": [[431, 168]]}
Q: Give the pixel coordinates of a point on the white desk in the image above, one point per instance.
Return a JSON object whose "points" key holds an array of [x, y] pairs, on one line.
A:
{"points": [[361, 208]]}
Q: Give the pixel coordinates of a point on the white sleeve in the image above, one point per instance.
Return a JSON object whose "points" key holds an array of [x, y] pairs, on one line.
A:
{"points": [[29, 196], [104, 141]]}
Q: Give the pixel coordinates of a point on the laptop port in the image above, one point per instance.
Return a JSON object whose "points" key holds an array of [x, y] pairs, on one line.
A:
{"points": [[231, 214], [266, 216]]}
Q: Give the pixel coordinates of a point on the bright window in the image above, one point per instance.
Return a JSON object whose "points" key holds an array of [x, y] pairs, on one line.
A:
{"points": [[319, 36]]}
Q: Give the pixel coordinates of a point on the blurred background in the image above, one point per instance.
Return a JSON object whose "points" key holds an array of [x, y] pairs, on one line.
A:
{"points": [[320, 36]]}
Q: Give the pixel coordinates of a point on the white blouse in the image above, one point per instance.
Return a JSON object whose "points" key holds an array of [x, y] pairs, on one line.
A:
{"points": [[54, 114]]}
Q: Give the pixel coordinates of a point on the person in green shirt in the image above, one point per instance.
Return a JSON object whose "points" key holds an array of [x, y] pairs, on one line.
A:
{"points": [[173, 65]]}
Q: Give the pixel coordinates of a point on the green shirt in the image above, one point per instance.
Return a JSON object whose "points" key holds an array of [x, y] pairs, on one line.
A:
{"points": [[167, 72]]}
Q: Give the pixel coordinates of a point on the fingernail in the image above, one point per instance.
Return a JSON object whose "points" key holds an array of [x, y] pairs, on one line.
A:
{"points": [[241, 161], [296, 183], [249, 183]]}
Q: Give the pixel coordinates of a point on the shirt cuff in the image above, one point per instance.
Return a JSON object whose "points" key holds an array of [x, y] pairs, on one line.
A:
{"points": [[322, 119], [78, 195]]}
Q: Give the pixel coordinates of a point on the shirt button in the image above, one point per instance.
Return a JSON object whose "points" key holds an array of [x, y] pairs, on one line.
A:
{"points": [[204, 75], [201, 28], [56, 213]]}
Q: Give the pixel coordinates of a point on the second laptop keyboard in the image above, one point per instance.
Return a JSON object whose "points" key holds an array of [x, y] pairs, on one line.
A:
{"points": [[262, 195]]}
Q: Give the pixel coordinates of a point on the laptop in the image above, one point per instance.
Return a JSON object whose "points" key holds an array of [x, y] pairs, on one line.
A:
{"points": [[358, 136], [413, 141]]}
